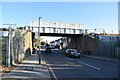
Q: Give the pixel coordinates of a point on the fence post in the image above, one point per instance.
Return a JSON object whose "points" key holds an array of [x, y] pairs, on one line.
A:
{"points": [[18, 46], [8, 54], [12, 47]]}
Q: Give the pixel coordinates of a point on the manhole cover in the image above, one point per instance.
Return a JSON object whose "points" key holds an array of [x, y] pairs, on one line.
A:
{"points": [[28, 68]]}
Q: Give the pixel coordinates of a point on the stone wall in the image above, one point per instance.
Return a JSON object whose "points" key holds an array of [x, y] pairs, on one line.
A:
{"points": [[28, 43]]}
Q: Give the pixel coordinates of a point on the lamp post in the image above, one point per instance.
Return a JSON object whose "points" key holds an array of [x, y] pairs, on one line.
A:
{"points": [[39, 40], [84, 43]]}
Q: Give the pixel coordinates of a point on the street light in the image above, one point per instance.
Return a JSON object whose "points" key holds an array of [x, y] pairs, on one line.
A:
{"points": [[39, 40]]}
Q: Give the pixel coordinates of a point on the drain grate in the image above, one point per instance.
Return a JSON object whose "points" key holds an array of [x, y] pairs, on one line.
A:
{"points": [[28, 68]]}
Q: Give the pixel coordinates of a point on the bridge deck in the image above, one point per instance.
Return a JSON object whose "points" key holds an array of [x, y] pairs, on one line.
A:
{"points": [[58, 34]]}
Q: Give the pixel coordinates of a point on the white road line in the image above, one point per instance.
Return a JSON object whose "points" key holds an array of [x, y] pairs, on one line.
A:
{"points": [[89, 65], [50, 70], [68, 58], [78, 62], [86, 64], [52, 73]]}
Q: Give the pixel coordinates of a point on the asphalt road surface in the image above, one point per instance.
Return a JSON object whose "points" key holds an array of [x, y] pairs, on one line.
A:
{"points": [[64, 67]]}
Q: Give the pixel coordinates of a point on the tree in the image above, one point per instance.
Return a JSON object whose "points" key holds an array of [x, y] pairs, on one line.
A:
{"points": [[36, 40], [20, 27], [3, 29]]}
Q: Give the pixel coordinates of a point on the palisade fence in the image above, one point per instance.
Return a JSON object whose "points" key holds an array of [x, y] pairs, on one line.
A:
{"points": [[109, 45], [15, 47], [3, 48], [101, 45]]}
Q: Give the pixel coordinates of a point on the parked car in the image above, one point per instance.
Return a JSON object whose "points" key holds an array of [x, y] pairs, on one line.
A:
{"points": [[43, 47], [57, 46], [48, 49], [72, 53]]}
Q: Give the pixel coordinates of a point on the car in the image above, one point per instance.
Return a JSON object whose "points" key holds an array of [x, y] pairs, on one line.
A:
{"points": [[72, 53], [57, 46], [52, 46], [43, 47], [48, 50]]}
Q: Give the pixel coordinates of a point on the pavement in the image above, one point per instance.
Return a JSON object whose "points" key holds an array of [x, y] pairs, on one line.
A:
{"points": [[103, 58], [29, 69]]}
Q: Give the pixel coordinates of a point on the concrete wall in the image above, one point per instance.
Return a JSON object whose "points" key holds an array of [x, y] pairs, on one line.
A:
{"points": [[96, 47], [93, 46], [71, 41], [28, 43], [117, 52], [64, 43]]}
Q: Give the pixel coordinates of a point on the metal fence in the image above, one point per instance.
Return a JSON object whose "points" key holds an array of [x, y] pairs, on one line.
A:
{"points": [[104, 46], [15, 47], [109, 46]]}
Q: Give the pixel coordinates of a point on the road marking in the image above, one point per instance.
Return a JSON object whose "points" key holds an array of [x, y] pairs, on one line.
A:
{"points": [[52, 73], [68, 58], [86, 64], [89, 65], [51, 70]]}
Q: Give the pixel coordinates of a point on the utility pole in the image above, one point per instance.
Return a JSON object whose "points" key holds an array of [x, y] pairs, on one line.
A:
{"points": [[39, 40], [84, 43], [112, 32]]}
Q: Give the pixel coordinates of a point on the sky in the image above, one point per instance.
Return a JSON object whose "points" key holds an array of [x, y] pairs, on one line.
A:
{"points": [[60, 0], [94, 15]]}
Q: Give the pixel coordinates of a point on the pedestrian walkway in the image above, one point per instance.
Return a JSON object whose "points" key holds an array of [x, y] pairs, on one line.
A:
{"points": [[30, 68], [102, 58]]}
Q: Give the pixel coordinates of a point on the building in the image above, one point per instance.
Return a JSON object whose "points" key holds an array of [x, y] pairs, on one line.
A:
{"points": [[52, 43], [64, 43]]}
